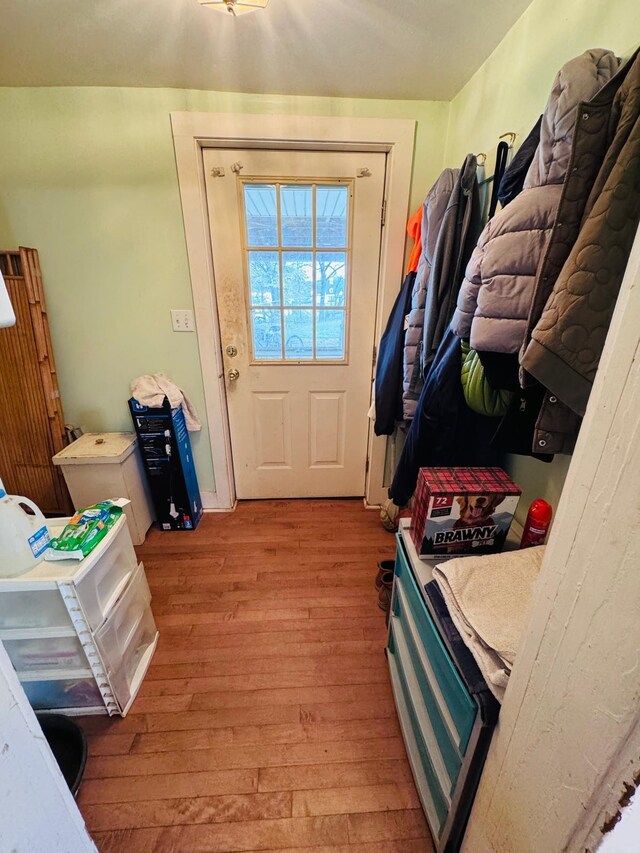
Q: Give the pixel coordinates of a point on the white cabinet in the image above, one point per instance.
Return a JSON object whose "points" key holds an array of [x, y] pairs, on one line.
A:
{"points": [[81, 634]]}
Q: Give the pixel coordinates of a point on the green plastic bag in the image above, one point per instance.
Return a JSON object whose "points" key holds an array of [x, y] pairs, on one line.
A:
{"points": [[86, 529]]}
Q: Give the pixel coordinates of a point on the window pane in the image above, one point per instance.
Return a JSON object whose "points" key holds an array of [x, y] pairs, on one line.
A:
{"points": [[264, 278], [331, 216], [297, 278], [298, 334], [261, 213], [330, 334], [331, 278], [267, 334], [297, 218]]}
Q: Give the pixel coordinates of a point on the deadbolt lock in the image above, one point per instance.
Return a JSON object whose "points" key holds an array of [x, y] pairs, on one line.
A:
{"points": [[231, 351], [233, 374]]}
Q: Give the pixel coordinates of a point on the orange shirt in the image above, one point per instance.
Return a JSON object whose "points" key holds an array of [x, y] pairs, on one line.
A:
{"points": [[414, 230]]}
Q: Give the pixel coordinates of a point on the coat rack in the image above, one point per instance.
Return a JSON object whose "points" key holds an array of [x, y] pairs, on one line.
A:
{"points": [[511, 136]]}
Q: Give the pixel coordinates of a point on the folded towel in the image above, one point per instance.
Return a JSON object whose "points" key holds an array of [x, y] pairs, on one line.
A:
{"points": [[152, 388], [488, 598]]}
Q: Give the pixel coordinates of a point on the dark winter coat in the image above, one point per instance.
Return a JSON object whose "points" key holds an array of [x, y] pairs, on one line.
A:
{"points": [[388, 388], [513, 179], [444, 431]]}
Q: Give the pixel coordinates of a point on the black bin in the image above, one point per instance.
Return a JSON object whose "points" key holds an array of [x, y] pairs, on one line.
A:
{"points": [[68, 744]]}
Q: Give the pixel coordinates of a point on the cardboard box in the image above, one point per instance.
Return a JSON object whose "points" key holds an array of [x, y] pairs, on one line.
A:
{"points": [[166, 454], [460, 511]]}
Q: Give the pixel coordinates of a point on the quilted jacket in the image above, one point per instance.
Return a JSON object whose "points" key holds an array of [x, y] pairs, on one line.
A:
{"points": [[500, 283], [450, 227], [433, 210], [568, 338]]}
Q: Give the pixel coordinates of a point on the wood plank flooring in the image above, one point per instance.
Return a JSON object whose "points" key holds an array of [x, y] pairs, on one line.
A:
{"points": [[266, 720]]}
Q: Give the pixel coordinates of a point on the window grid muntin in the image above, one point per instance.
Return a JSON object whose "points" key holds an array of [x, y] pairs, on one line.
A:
{"points": [[314, 250]]}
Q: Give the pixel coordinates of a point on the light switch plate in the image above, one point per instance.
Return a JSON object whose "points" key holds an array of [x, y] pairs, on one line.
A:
{"points": [[182, 320]]}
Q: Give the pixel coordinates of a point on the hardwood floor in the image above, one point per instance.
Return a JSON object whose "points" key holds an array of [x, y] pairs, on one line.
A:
{"points": [[266, 720]]}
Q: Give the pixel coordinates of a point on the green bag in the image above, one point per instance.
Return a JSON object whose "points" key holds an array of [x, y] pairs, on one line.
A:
{"points": [[478, 394], [86, 529]]}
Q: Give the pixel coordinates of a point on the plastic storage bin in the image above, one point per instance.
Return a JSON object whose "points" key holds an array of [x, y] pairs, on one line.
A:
{"points": [[64, 693], [99, 588], [123, 678], [116, 634], [106, 465], [38, 608], [46, 653]]}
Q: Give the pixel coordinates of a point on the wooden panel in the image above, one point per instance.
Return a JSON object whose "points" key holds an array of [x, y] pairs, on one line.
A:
{"points": [[258, 726], [31, 418], [272, 420], [326, 429]]}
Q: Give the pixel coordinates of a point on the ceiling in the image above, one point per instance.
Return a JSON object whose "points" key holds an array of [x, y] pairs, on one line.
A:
{"points": [[425, 49]]}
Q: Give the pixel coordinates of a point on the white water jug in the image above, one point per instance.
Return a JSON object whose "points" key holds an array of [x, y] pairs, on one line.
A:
{"points": [[23, 537]]}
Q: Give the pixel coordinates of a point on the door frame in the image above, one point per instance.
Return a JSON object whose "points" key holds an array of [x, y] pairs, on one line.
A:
{"points": [[195, 131]]}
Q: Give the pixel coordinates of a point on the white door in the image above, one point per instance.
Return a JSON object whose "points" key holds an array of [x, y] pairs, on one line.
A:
{"points": [[296, 245]]}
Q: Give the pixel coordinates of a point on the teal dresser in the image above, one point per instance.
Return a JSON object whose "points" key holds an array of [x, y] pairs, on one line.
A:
{"points": [[446, 711]]}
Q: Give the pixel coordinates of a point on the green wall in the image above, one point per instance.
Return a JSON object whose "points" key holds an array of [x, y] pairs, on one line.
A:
{"points": [[508, 93], [88, 177]]}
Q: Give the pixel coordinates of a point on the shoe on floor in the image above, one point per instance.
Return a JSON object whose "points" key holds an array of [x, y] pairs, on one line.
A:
{"points": [[389, 515], [384, 595], [384, 567]]}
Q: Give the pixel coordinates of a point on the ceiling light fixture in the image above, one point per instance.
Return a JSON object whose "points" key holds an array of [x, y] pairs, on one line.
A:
{"points": [[235, 7]]}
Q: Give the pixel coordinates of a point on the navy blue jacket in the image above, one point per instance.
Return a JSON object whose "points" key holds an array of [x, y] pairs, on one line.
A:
{"points": [[445, 431], [389, 365]]}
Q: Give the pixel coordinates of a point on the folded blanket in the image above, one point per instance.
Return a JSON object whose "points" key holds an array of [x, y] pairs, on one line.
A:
{"points": [[488, 598], [152, 388]]}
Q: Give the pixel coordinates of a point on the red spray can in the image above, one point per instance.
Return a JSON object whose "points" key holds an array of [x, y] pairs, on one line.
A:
{"points": [[537, 524]]}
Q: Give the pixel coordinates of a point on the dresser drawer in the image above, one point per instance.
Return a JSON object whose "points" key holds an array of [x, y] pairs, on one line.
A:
{"points": [[47, 653], [34, 608], [456, 708], [63, 694], [125, 678], [435, 804], [101, 586], [115, 636], [414, 656]]}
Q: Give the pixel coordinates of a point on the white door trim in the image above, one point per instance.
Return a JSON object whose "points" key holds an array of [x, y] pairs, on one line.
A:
{"points": [[194, 131]]}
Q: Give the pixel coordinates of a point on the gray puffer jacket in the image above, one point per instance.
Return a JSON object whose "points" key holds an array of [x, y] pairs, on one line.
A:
{"points": [[499, 287], [433, 210]]}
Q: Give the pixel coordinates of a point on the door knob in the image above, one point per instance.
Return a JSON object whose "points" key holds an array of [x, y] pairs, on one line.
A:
{"points": [[233, 374]]}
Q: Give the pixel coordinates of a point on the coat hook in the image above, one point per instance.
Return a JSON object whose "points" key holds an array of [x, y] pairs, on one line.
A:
{"points": [[511, 135], [236, 168], [484, 158], [364, 172], [217, 172]]}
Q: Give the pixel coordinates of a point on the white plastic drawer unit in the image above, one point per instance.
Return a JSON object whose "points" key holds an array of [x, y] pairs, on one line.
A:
{"points": [[46, 654], [81, 634], [99, 589]]}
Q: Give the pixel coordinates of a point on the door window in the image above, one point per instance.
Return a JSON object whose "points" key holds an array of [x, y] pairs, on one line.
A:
{"points": [[296, 238]]}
